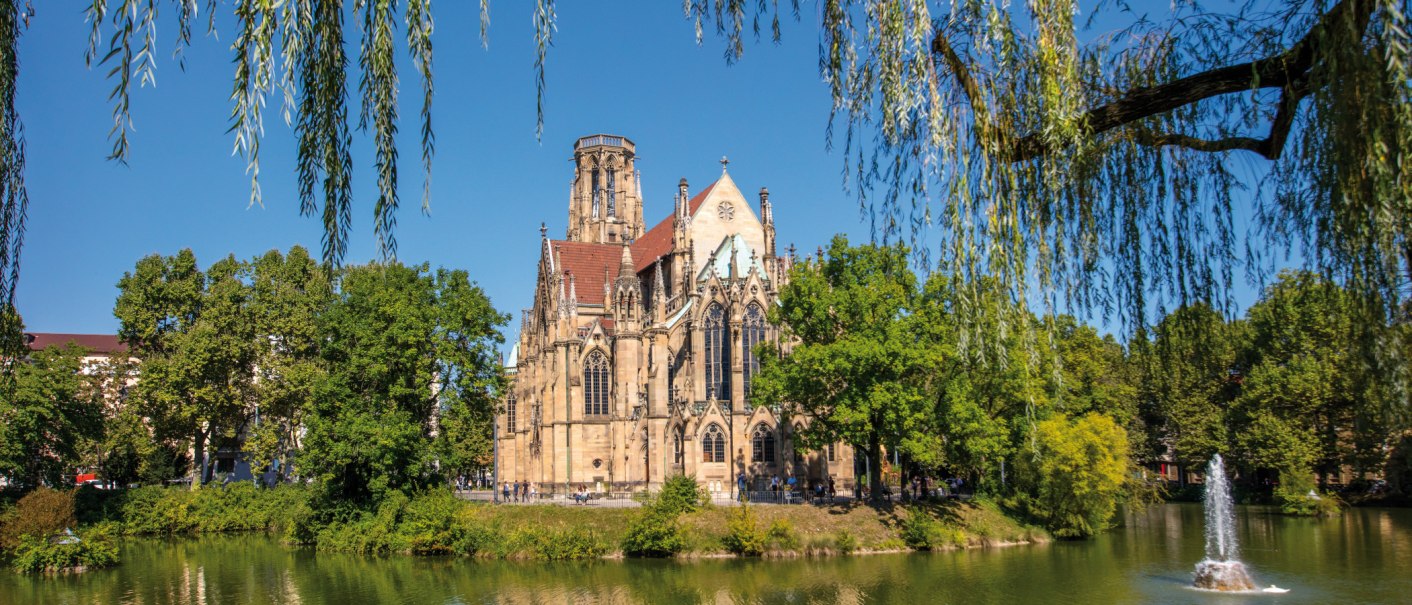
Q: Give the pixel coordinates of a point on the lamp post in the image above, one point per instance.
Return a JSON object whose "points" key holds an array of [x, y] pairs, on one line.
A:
{"points": [[495, 462]]}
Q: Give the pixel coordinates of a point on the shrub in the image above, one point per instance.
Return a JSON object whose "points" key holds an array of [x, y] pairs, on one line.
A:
{"points": [[232, 508], [552, 545], [781, 535], [93, 549], [429, 524], [845, 542], [920, 531], [743, 536], [1304, 503], [39, 514], [653, 534], [680, 494]]}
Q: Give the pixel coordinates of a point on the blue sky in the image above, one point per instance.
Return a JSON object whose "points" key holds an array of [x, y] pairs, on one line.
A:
{"points": [[630, 69]]}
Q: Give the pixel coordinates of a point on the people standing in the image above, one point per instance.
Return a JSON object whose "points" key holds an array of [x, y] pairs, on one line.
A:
{"points": [[740, 486], [833, 493]]}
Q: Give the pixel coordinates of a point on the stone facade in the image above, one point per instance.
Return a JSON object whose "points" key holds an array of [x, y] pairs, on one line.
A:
{"points": [[634, 362]]}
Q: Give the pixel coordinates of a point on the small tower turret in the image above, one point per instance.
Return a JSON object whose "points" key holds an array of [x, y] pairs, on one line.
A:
{"points": [[605, 205]]}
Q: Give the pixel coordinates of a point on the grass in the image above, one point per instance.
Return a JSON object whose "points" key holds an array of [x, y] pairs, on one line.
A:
{"points": [[437, 523]]}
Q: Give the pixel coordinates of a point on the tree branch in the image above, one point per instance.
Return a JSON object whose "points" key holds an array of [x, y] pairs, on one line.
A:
{"points": [[1290, 71]]}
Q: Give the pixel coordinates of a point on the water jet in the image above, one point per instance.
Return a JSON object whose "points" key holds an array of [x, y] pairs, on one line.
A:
{"points": [[1221, 569]]}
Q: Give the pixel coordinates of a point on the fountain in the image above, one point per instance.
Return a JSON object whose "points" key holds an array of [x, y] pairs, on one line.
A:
{"points": [[1221, 570]]}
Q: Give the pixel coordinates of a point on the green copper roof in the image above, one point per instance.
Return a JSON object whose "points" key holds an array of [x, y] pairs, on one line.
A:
{"points": [[733, 248]]}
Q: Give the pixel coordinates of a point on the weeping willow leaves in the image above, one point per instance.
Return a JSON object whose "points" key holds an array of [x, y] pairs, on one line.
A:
{"points": [[1108, 173], [14, 199], [294, 48]]}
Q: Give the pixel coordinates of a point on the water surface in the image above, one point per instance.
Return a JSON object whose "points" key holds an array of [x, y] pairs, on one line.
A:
{"points": [[1364, 557]]}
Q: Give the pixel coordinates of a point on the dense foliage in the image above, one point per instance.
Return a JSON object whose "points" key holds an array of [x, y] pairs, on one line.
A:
{"points": [[47, 414], [377, 378], [853, 366], [1058, 429]]}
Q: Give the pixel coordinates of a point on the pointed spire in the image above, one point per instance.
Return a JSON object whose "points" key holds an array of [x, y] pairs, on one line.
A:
{"points": [[682, 198], [563, 298], [573, 295], [626, 267], [767, 215], [659, 289]]}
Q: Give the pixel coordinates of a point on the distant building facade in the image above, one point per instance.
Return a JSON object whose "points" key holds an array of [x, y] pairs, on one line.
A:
{"points": [[636, 361]]}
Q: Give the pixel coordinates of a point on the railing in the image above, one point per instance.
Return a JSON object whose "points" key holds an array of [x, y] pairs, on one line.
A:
{"points": [[603, 139]]}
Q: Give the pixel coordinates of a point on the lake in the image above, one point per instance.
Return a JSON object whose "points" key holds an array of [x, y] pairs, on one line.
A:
{"points": [[1363, 557]]}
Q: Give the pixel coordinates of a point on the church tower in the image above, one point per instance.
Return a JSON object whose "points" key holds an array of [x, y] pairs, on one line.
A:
{"points": [[605, 206]]}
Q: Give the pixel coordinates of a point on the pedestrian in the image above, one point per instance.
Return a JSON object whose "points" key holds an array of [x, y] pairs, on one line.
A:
{"points": [[775, 487], [833, 493], [916, 487], [534, 492], [505, 488], [789, 495], [740, 486]]}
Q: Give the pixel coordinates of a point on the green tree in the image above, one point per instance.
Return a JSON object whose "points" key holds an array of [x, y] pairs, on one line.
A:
{"points": [[854, 365], [399, 342], [52, 408], [1076, 473], [194, 334], [1306, 383], [289, 292], [982, 391], [1189, 375]]}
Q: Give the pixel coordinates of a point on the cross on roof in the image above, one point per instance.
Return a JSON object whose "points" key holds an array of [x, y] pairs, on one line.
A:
{"points": [[724, 161]]}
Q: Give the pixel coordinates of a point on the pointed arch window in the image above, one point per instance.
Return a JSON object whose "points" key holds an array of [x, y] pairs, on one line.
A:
{"points": [[752, 334], [717, 354], [612, 193], [510, 405], [678, 449], [597, 193], [762, 444], [713, 444], [595, 384]]}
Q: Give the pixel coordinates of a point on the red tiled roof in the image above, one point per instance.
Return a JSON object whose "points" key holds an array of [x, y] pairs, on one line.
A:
{"points": [[658, 240], [97, 343], [587, 262]]}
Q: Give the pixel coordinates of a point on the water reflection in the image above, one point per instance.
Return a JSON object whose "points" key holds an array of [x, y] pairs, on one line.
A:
{"points": [[1363, 557]]}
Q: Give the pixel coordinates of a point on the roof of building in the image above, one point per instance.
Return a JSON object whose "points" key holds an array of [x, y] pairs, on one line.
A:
{"points": [[587, 262], [96, 343], [658, 240], [513, 360], [732, 248]]}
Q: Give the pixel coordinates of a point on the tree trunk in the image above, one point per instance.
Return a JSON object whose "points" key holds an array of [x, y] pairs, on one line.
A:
{"points": [[198, 459], [875, 468]]}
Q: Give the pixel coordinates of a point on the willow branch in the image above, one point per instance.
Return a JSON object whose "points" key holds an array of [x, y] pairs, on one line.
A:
{"points": [[1291, 71]]}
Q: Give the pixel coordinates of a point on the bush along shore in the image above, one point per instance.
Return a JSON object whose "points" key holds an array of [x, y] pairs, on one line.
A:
{"points": [[674, 522]]}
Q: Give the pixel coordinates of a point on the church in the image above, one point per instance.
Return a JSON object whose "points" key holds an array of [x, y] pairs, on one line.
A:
{"points": [[635, 362]]}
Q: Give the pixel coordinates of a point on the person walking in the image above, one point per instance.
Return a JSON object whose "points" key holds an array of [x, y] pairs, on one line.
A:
{"points": [[505, 489], [740, 486], [534, 493], [832, 492], [775, 487]]}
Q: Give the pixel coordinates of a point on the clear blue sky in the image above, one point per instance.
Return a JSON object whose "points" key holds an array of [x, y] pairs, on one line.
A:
{"points": [[625, 68]]}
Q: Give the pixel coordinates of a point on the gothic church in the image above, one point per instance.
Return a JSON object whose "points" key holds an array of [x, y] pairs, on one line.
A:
{"points": [[635, 362]]}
